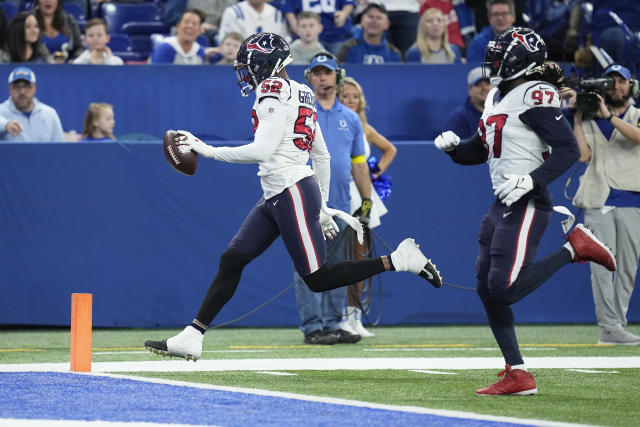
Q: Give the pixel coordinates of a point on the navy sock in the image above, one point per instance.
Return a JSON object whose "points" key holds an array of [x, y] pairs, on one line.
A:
{"points": [[198, 327]]}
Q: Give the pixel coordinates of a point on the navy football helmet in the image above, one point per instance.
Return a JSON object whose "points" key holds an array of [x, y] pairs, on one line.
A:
{"points": [[261, 56], [513, 53]]}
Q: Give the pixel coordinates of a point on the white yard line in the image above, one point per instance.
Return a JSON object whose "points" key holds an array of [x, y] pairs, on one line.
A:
{"points": [[429, 363]]}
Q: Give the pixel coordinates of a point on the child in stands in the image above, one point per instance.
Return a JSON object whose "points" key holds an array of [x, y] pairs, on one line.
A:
{"points": [[98, 123], [96, 37]]}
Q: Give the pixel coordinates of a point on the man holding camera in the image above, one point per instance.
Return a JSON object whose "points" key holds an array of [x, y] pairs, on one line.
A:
{"points": [[609, 192]]}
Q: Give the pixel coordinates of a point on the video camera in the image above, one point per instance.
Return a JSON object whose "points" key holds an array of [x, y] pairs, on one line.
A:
{"points": [[587, 102]]}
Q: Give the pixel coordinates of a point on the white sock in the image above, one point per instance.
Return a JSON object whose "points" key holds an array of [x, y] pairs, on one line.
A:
{"points": [[522, 367], [570, 249]]}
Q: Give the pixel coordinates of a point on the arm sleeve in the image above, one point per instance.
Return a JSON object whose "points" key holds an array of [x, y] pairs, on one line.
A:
{"points": [[271, 120], [321, 163], [163, 54], [470, 151], [553, 128]]}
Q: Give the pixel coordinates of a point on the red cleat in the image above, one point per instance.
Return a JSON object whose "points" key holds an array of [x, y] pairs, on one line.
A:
{"points": [[588, 248], [514, 382]]}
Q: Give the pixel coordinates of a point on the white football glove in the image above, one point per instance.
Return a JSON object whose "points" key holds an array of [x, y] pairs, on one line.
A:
{"points": [[514, 188], [447, 141], [351, 221], [195, 144], [329, 226]]}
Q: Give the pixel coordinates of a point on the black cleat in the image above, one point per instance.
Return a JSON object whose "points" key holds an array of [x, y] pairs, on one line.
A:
{"points": [[157, 347]]}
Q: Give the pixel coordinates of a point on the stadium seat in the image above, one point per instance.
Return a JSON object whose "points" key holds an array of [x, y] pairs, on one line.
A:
{"points": [[142, 45], [133, 19], [120, 45], [9, 8], [75, 9]]}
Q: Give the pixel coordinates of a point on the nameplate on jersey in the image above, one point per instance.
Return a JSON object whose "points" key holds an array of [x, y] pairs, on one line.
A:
{"points": [[542, 95], [306, 97]]}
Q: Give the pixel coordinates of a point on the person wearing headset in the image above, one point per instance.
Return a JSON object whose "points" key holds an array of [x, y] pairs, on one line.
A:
{"points": [[320, 313], [609, 192]]}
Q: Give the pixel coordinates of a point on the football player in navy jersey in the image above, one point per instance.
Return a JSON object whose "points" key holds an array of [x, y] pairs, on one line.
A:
{"points": [[527, 143], [293, 206]]}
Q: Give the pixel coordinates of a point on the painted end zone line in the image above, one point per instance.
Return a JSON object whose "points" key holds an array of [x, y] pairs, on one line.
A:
{"points": [[347, 402], [311, 364]]}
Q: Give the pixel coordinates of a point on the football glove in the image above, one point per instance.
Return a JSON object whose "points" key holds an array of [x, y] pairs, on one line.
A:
{"points": [[365, 211], [351, 221], [195, 144], [514, 188], [447, 141], [329, 226]]}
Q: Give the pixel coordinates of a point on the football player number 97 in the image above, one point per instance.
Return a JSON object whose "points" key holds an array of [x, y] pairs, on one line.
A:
{"points": [[498, 121]]}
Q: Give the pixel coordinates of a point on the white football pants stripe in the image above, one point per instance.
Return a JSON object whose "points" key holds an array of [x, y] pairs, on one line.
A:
{"points": [[521, 245], [303, 229]]}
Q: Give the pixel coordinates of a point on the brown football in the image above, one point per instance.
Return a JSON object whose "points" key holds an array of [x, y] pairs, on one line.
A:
{"points": [[179, 157]]}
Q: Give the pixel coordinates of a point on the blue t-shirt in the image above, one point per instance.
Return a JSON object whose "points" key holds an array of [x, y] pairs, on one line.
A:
{"points": [[342, 131], [326, 9], [54, 44], [368, 54]]}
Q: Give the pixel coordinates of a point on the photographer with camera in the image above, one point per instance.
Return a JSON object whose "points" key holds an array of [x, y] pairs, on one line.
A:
{"points": [[609, 192]]}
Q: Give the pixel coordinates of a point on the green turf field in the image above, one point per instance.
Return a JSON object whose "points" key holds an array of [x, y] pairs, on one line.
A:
{"points": [[597, 396]]}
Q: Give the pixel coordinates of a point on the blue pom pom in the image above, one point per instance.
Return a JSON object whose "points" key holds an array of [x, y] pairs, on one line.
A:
{"points": [[382, 184]]}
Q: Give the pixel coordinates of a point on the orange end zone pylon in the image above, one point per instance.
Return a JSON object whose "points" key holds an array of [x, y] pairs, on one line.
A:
{"points": [[81, 308]]}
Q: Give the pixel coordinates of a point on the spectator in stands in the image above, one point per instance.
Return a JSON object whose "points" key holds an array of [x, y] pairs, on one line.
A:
{"points": [[23, 41], [60, 32], [609, 192], [479, 11], [22, 117], [96, 37], [253, 16], [182, 49], [463, 121], [320, 313], [371, 46], [352, 96], [98, 123], [335, 18], [403, 23], [307, 46], [502, 15], [228, 49], [454, 31], [432, 44]]}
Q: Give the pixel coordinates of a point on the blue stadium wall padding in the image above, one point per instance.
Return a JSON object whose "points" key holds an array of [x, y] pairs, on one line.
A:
{"points": [[116, 221], [407, 101]]}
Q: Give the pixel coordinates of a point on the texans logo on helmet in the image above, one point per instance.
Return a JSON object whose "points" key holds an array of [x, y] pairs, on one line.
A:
{"points": [[264, 44], [528, 40]]}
